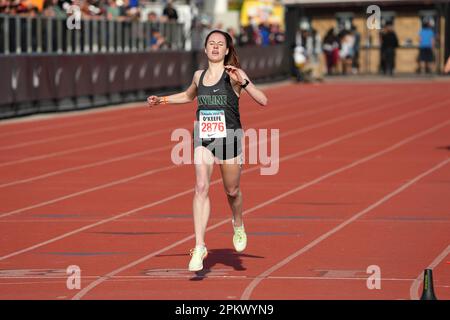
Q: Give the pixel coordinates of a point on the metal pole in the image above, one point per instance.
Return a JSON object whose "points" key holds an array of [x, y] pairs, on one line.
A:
{"points": [[87, 38], [18, 36], [147, 35], [127, 36], [141, 36], [173, 35], [59, 39], [39, 34], [69, 33], [119, 36], [103, 34], [178, 32], [29, 31], [133, 36], [94, 35], [111, 35], [77, 40], [49, 33], [162, 29], [6, 33], [182, 36]]}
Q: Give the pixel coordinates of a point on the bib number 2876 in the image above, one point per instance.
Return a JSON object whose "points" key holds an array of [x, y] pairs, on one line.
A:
{"points": [[212, 124]]}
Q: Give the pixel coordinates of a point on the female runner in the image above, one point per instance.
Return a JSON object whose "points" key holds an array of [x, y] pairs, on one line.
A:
{"points": [[217, 135]]}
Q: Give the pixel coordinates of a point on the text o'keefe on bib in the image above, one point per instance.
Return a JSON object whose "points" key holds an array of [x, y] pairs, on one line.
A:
{"points": [[212, 124]]}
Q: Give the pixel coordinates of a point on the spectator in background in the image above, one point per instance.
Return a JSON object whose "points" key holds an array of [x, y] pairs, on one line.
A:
{"points": [[170, 12], [331, 50], [389, 43], [152, 17], [123, 8], [87, 10], [426, 45], [300, 55], [346, 53], [112, 10], [232, 33], [251, 31], [276, 36], [299, 60], [91, 8], [133, 4], [33, 12], [309, 42], [134, 14], [243, 39], [157, 41], [197, 34], [314, 50], [356, 47], [20, 7], [6, 6], [264, 32], [3, 6], [52, 9]]}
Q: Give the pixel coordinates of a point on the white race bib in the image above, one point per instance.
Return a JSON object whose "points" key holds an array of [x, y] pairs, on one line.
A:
{"points": [[212, 124]]}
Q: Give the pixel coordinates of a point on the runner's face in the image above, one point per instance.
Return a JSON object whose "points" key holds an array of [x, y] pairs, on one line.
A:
{"points": [[216, 47]]}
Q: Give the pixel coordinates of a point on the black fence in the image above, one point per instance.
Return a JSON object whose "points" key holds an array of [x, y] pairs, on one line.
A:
{"points": [[48, 82]]}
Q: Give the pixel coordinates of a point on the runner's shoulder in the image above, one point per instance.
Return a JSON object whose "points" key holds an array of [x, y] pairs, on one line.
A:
{"points": [[197, 75]]}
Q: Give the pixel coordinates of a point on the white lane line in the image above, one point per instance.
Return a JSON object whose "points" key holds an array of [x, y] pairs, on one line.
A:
{"points": [[249, 289], [132, 124], [90, 147], [38, 118], [85, 191]]}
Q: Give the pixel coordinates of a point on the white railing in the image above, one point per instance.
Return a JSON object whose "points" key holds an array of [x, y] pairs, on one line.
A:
{"points": [[25, 35]]}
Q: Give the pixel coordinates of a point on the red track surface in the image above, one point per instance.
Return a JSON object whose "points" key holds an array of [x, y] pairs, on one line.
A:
{"points": [[364, 180]]}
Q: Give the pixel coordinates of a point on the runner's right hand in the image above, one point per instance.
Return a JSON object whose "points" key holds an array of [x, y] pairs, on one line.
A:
{"points": [[153, 101]]}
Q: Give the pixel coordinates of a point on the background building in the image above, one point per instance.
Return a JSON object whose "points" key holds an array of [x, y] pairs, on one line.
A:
{"points": [[407, 17]]}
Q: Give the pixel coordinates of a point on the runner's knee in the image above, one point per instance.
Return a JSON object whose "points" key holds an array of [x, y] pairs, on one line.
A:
{"points": [[232, 192], [201, 189]]}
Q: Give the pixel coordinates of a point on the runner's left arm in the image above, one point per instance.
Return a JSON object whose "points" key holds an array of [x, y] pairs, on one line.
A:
{"points": [[254, 92], [239, 77]]}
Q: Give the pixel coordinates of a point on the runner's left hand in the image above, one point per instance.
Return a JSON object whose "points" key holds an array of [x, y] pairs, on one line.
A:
{"points": [[234, 74]]}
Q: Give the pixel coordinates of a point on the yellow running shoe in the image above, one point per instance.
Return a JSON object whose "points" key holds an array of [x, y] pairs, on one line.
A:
{"points": [[239, 238], [198, 254]]}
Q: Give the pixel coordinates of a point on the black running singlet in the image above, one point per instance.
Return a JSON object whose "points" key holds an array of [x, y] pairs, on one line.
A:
{"points": [[218, 118], [220, 96]]}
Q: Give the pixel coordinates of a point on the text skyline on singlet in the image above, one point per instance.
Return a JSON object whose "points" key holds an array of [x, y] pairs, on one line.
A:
{"points": [[212, 100]]}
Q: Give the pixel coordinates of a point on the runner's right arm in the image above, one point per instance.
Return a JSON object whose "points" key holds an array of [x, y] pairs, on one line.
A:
{"points": [[182, 97]]}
